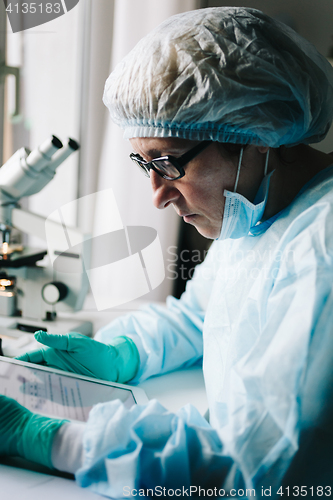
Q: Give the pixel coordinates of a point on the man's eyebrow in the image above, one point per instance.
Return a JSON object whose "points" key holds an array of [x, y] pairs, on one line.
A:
{"points": [[151, 153], [154, 153]]}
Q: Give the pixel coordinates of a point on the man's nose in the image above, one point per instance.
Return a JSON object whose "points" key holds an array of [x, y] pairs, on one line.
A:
{"points": [[164, 191]]}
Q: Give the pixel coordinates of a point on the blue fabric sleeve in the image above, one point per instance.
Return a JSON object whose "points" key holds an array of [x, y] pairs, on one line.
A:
{"points": [[149, 447], [168, 337]]}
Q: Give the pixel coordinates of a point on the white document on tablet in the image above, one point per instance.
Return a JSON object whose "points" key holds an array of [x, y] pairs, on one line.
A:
{"points": [[61, 394]]}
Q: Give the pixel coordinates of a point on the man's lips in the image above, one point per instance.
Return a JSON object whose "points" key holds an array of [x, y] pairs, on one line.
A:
{"points": [[187, 217]]}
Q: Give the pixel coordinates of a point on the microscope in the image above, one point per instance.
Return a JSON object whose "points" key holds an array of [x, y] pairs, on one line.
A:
{"points": [[39, 289]]}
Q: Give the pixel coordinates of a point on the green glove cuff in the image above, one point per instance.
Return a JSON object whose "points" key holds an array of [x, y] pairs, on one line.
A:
{"points": [[37, 439], [128, 358]]}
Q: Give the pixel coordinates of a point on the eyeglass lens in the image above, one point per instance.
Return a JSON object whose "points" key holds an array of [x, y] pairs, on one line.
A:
{"points": [[165, 167]]}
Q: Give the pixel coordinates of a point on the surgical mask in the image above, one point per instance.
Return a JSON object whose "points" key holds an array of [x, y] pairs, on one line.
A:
{"points": [[239, 213]]}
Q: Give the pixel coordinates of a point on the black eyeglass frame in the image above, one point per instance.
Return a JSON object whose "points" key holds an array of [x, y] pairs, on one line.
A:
{"points": [[179, 163]]}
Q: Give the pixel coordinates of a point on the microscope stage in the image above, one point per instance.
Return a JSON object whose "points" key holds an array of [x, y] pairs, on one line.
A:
{"points": [[26, 257]]}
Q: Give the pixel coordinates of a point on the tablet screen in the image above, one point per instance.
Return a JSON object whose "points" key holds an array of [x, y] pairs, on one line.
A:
{"points": [[53, 394]]}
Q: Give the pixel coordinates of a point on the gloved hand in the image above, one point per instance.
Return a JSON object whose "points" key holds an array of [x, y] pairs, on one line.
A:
{"points": [[26, 434], [117, 362]]}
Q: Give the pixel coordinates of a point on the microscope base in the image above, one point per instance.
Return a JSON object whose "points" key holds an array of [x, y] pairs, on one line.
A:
{"points": [[16, 333]]}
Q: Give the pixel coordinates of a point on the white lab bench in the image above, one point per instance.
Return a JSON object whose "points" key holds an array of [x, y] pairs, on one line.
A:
{"points": [[173, 390]]}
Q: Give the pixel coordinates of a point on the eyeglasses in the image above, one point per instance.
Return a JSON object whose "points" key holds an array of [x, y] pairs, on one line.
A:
{"points": [[169, 167]]}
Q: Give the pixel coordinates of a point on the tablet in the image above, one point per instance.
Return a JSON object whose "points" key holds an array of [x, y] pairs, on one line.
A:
{"points": [[61, 394]]}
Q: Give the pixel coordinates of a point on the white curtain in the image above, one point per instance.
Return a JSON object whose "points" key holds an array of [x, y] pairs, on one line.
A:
{"points": [[132, 19], [49, 59]]}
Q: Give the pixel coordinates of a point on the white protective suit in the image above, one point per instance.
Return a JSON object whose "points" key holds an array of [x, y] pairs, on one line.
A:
{"points": [[264, 305]]}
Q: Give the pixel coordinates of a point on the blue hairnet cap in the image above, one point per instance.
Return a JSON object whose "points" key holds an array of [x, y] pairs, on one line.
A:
{"points": [[223, 74]]}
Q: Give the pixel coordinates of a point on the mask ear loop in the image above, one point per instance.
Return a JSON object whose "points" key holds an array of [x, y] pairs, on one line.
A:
{"points": [[266, 162], [238, 168]]}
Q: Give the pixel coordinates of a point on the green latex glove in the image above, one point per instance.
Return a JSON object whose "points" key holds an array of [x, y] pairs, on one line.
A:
{"points": [[26, 434], [117, 362]]}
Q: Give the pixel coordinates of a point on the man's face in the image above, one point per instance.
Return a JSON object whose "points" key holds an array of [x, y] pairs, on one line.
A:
{"points": [[198, 196]]}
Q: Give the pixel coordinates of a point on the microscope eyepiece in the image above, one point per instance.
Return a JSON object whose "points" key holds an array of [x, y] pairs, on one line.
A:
{"points": [[40, 156], [27, 172], [56, 142], [73, 144]]}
